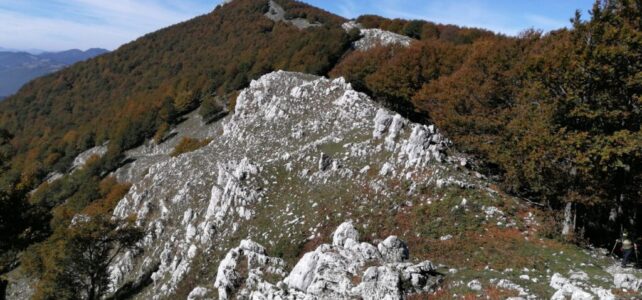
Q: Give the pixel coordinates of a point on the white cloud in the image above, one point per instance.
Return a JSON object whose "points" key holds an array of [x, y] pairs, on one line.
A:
{"points": [[546, 22], [92, 23]]}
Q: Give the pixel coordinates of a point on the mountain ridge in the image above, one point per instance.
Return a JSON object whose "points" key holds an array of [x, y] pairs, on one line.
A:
{"points": [[277, 100], [216, 158], [18, 68]]}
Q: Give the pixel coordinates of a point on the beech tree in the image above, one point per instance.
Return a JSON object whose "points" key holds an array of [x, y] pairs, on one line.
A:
{"points": [[598, 111], [74, 262]]}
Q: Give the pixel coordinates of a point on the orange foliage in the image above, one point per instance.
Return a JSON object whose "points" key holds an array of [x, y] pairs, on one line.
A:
{"points": [[113, 192], [425, 30], [119, 96]]}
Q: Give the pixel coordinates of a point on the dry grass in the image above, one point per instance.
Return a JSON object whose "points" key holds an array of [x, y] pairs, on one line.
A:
{"points": [[498, 247], [445, 293], [188, 145], [628, 294]]}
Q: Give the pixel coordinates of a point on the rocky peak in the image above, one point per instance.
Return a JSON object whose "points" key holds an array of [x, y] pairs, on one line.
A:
{"points": [[276, 13], [193, 205]]}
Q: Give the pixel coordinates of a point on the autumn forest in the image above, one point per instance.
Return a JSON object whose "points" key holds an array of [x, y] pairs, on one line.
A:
{"points": [[552, 118]]}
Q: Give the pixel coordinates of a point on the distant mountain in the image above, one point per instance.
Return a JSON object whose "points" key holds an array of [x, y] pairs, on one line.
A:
{"points": [[18, 68], [33, 51], [72, 56]]}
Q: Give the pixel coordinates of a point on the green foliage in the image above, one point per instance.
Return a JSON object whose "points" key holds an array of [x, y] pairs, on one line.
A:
{"points": [[11, 205], [297, 9], [414, 29], [597, 110], [213, 106], [73, 263], [11, 209], [6, 149], [555, 118]]}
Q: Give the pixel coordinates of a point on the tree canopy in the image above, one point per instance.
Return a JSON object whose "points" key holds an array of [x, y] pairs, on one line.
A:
{"points": [[138, 92], [553, 117]]}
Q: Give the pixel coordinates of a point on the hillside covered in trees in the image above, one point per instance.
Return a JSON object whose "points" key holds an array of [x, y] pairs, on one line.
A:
{"points": [[139, 92], [18, 68], [553, 118]]}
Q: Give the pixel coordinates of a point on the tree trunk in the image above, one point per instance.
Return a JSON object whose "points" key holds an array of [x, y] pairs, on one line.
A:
{"points": [[620, 212], [91, 295], [569, 220]]}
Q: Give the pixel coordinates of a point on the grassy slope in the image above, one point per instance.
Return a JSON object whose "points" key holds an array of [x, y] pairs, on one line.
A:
{"points": [[297, 216]]}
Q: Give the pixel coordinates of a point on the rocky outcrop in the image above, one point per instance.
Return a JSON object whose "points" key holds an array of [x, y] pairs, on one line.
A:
{"points": [[627, 281], [313, 133], [371, 38], [242, 272], [344, 270], [576, 286], [276, 13], [82, 158], [377, 37], [344, 233], [393, 250], [566, 288], [198, 293]]}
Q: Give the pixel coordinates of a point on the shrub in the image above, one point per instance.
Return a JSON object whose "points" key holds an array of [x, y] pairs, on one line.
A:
{"points": [[212, 106], [188, 145]]}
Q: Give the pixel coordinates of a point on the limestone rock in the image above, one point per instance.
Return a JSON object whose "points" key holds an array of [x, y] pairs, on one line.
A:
{"points": [[325, 162], [380, 283], [343, 233], [627, 281], [394, 250], [257, 264], [193, 204], [82, 158], [335, 271], [197, 293], [475, 285], [276, 13], [576, 288], [377, 37]]}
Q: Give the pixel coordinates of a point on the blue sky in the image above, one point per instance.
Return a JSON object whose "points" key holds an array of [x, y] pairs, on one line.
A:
{"points": [[65, 24]]}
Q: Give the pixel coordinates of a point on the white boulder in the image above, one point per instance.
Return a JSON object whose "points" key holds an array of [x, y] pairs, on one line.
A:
{"points": [[335, 271], [475, 285], [345, 232], [394, 250], [626, 281]]}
